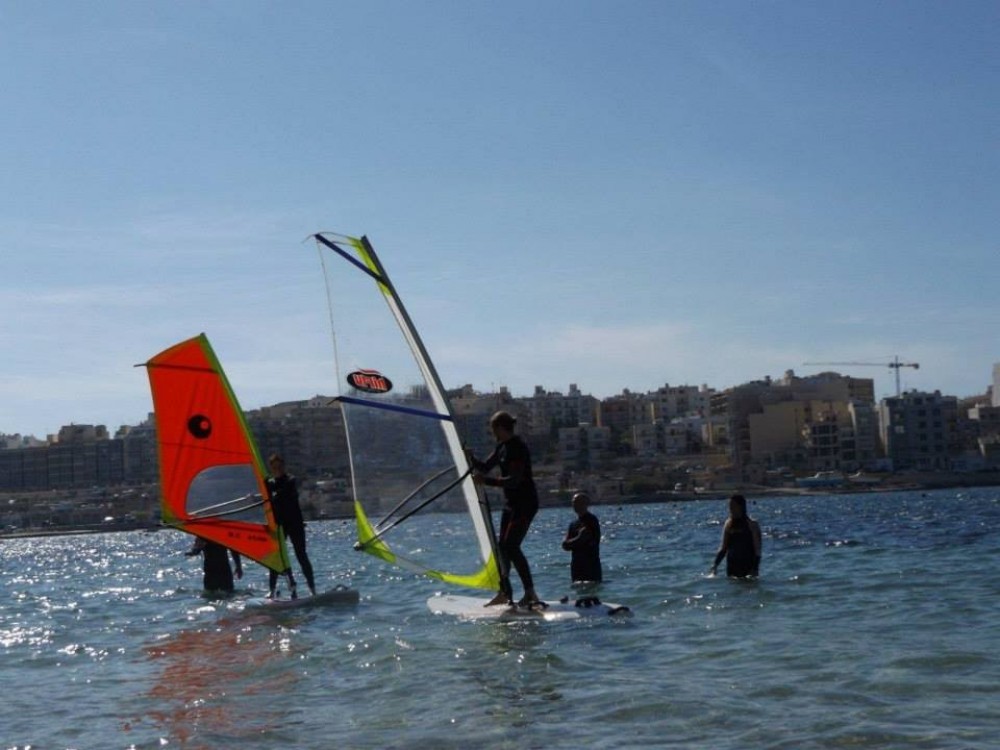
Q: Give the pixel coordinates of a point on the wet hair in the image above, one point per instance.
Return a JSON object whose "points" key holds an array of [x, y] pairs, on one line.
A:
{"points": [[741, 502], [275, 457], [503, 419]]}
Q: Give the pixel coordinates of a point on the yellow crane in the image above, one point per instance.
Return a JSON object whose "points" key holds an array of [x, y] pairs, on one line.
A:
{"points": [[895, 365]]}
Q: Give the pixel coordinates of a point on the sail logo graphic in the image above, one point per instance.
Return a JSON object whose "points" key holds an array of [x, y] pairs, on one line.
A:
{"points": [[369, 381], [200, 426]]}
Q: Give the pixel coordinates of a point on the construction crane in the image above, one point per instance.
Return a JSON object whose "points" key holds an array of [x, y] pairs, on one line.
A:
{"points": [[895, 365]]}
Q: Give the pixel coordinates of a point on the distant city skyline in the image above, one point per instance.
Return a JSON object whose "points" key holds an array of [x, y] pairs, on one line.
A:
{"points": [[614, 194], [564, 389]]}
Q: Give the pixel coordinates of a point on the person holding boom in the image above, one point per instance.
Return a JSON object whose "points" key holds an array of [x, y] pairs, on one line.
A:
{"points": [[514, 461], [284, 496]]}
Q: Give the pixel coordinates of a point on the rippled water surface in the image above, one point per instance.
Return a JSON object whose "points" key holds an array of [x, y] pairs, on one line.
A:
{"points": [[873, 625]]}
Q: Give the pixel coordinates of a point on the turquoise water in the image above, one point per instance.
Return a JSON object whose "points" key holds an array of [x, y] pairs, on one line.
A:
{"points": [[874, 625]]}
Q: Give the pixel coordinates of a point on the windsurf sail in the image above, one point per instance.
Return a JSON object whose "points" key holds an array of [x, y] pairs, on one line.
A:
{"points": [[211, 472], [404, 447]]}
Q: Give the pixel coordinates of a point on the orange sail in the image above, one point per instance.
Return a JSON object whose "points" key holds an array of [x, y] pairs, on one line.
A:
{"points": [[211, 473]]}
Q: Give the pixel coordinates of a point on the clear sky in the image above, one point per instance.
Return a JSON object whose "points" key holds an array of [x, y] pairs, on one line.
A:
{"points": [[613, 194]]}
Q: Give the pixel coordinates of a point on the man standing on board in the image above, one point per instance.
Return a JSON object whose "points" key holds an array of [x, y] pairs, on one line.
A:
{"points": [[583, 539], [512, 457], [284, 496]]}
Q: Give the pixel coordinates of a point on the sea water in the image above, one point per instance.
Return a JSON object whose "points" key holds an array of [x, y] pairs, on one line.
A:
{"points": [[874, 624]]}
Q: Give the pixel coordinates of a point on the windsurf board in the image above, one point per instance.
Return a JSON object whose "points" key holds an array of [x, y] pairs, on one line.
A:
{"points": [[474, 608], [334, 596]]}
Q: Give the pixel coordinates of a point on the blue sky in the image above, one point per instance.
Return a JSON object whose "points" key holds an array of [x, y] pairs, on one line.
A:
{"points": [[618, 195]]}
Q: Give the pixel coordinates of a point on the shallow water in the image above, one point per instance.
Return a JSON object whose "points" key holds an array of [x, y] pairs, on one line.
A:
{"points": [[873, 625]]}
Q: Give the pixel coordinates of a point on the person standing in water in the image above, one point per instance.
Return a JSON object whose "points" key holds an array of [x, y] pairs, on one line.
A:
{"points": [[741, 542], [284, 496], [521, 504], [218, 576], [583, 539]]}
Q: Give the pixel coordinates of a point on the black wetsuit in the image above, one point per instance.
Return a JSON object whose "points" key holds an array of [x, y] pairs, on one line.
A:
{"points": [[741, 556], [585, 564], [284, 495], [521, 505], [218, 575]]}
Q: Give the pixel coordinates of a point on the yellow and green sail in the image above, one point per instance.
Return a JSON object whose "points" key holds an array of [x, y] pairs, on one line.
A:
{"points": [[405, 452]]}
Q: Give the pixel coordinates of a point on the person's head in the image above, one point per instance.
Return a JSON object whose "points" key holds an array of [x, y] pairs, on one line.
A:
{"points": [[738, 506], [502, 425], [276, 463], [581, 501]]}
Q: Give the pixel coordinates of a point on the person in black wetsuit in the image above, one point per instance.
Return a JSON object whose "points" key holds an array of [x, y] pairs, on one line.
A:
{"points": [[284, 496], [512, 457], [741, 543], [583, 539], [215, 562]]}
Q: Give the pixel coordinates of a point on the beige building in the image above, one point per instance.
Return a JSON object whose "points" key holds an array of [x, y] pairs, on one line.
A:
{"points": [[776, 433], [802, 422], [621, 412], [584, 447]]}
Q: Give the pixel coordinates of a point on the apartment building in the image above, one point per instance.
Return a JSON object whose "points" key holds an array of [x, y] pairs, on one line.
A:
{"points": [[809, 422], [920, 430], [585, 447], [309, 434], [622, 412], [544, 410], [82, 456], [669, 402]]}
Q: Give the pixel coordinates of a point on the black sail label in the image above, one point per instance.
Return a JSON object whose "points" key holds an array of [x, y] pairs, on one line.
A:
{"points": [[369, 381]]}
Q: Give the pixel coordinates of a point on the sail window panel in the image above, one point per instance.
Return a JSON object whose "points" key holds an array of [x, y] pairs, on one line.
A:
{"points": [[402, 460], [230, 492]]}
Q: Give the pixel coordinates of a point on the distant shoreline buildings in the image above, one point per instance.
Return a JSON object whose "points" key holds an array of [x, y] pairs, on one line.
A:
{"points": [[674, 436]]}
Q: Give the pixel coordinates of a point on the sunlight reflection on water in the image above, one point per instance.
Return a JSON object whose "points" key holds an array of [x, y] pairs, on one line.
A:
{"points": [[866, 627]]}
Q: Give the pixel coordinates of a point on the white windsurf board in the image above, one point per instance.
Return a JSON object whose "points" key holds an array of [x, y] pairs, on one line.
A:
{"points": [[474, 608]]}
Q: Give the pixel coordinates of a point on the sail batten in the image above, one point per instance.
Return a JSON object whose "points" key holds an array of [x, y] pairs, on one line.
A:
{"points": [[404, 447], [211, 472]]}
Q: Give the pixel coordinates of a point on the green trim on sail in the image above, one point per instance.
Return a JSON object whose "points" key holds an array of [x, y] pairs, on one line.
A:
{"points": [[366, 258], [486, 578], [366, 537], [233, 401]]}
